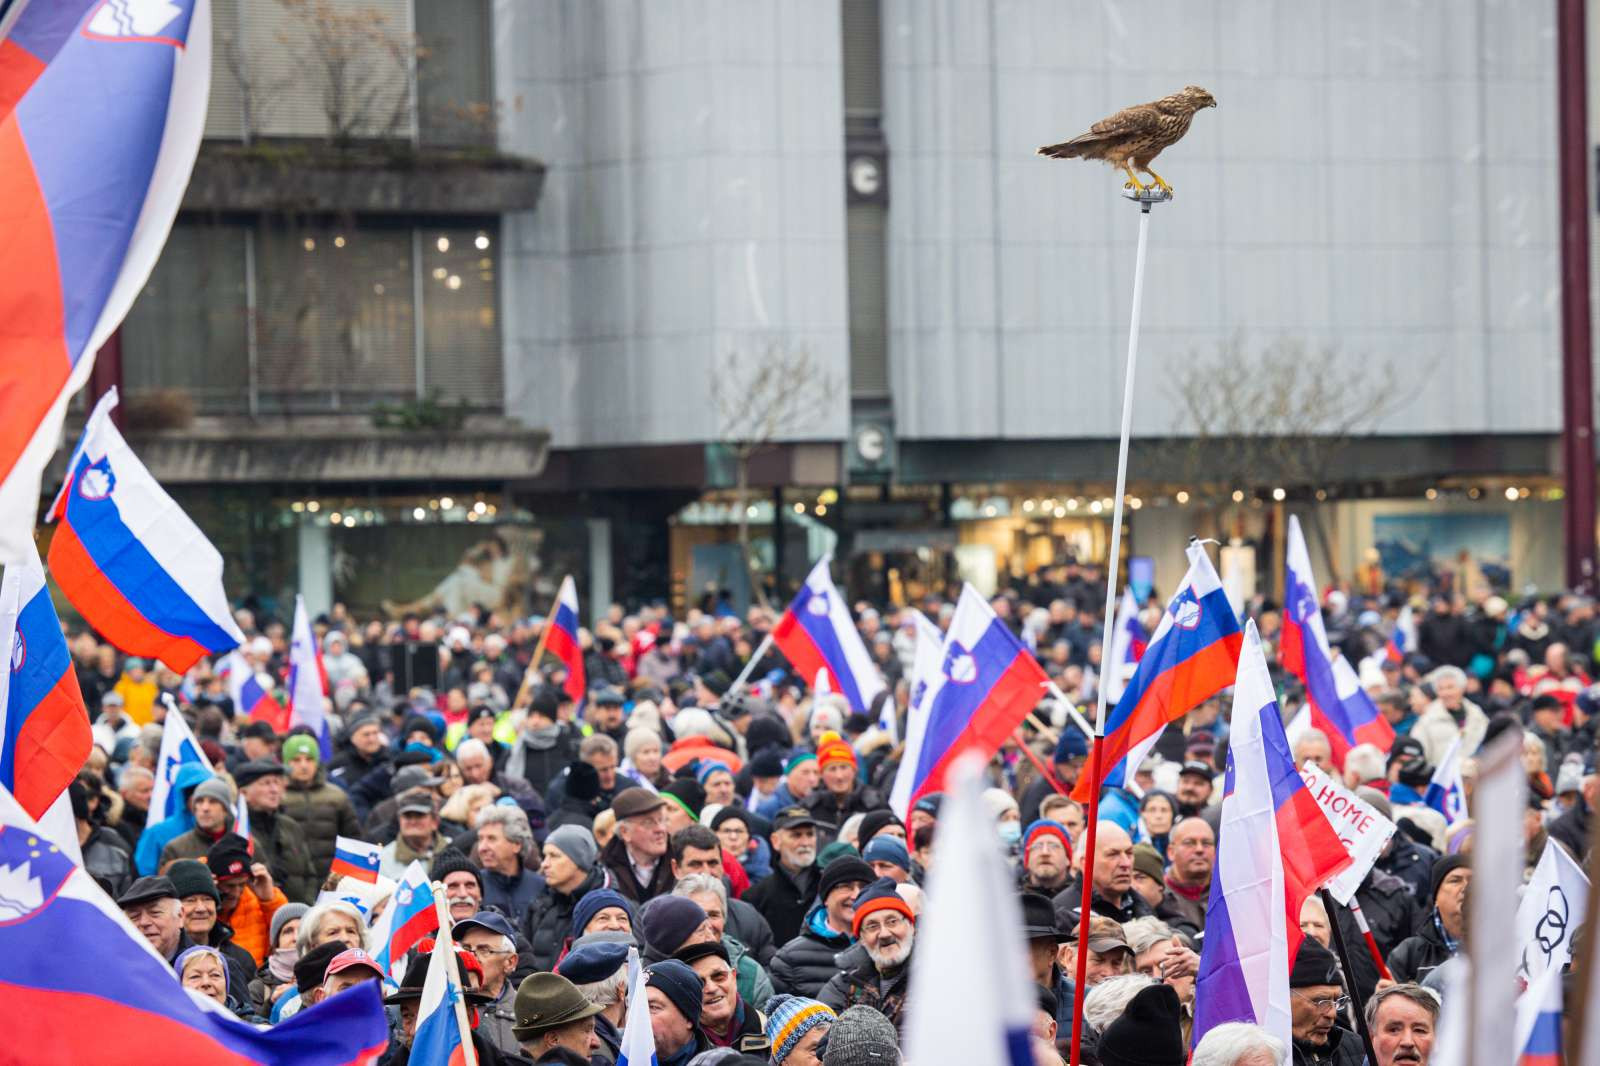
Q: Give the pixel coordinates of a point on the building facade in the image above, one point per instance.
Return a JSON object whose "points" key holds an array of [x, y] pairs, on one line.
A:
{"points": [[594, 236]]}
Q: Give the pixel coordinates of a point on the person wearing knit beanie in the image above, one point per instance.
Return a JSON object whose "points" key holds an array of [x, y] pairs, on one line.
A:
{"points": [[862, 1037], [300, 744], [1148, 1033], [668, 924], [577, 844], [882, 820], [797, 1024], [1438, 937], [464, 898], [675, 989], [192, 878], [841, 794], [888, 857], [282, 917], [601, 900], [880, 895]]}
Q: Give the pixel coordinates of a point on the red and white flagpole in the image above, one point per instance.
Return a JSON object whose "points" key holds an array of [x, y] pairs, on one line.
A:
{"points": [[1145, 200]]}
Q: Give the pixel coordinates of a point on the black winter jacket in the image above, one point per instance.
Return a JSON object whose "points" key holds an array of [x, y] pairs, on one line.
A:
{"points": [[803, 965], [1342, 1049], [747, 926], [548, 919], [324, 811], [861, 984], [783, 899], [1418, 955]]}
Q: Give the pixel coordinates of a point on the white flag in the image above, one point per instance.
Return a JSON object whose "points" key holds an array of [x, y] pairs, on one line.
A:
{"points": [[1553, 905]]}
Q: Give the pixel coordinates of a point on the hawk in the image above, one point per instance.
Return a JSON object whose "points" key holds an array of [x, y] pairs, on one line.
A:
{"points": [[1134, 136]]}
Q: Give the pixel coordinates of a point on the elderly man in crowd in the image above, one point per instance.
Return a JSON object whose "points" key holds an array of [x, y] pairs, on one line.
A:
{"points": [[419, 839], [1402, 1019], [1112, 873], [635, 855], [785, 896], [152, 905], [491, 939], [505, 840], [886, 929]]}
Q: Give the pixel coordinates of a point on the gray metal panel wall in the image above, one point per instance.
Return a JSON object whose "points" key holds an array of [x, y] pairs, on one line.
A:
{"points": [[1378, 177], [694, 207]]}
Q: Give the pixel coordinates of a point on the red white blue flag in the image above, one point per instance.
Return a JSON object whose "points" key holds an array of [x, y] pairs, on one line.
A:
{"points": [[1274, 849], [356, 858], [308, 682], [44, 725], [1192, 656], [1339, 706], [563, 639], [133, 564], [78, 983], [816, 633], [987, 684], [1128, 644], [410, 916], [102, 105]]}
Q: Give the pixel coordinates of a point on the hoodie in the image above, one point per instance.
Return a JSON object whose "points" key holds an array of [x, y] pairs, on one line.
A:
{"points": [[147, 857]]}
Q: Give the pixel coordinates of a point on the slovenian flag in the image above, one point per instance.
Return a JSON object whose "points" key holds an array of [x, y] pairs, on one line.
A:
{"points": [[355, 858], [133, 564], [638, 1039], [102, 106], [1274, 849], [926, 678], [308, 684], [563, 639], [410, 916], [1128, 644], [972, 926], [1193, 655], [1446, 793], [178, 749], [442, 1011], [78, 983], [816, 633], [988, 683], [1339, 706], [44, 725], [1538, 1021]]}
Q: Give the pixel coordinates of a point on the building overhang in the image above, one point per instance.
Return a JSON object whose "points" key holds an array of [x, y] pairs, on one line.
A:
{"points": [[367, 178], [335, 450]]}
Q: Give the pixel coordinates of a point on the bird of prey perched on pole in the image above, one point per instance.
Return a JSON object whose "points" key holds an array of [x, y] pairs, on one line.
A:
{"points": [[1134, 136]]}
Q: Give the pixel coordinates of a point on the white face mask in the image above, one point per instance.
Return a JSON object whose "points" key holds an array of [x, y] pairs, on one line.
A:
{"points": [[1010, 832]]}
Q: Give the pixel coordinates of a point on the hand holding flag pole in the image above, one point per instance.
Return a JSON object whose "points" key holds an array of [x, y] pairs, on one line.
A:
{"points": [[1112, 565]]}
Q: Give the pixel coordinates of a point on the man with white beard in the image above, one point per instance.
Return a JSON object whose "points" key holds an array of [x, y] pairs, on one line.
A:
{"points": [[877, 969]]}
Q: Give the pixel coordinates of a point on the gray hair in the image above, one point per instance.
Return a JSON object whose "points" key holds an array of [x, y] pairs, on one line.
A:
{"points": [[1145, 933], [512, 822], [133, 774], [1454, 673], [471, 746], [696, 883], [1107, 1000], [595, 744], [607, 991], [1367, 761], [1422, 997], [311, 922], [1226, 1044]]}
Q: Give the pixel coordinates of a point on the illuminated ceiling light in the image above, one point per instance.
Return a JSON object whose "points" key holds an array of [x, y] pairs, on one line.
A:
{"points": [[309, 244], [1524, 492], [446, 502], [799, 508], [1279, 494], [482, 508], [1027, 505], [349, 521], [338, 242], [1474, 492], [418, 513], [1135, 502], [1182, 496], [1511, 492], [1432, 494], [440, 273], [454, 281], [822, 509], [1096, 507], [1238, 495], [313, 506], [1060, 512], [1073, 504], [336, 518], [482, 242], [297, 507], [433, 505], [443, 244], [377, 288]]}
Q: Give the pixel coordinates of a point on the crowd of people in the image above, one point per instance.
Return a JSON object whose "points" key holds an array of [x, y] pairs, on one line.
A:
{"points": [[740, 836]]}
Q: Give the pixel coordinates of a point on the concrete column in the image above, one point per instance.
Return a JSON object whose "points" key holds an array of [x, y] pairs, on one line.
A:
{"points": [[316, 567], [599, 566]]}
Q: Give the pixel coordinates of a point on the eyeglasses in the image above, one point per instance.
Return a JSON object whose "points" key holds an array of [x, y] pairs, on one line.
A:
{"points": [[484, 951], [1327, 1003], [889, 923]]}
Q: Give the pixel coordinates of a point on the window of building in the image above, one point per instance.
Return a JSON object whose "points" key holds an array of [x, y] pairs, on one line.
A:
{"points": [[455, 88]]}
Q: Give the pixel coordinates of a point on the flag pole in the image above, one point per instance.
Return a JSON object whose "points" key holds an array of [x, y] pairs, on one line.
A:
{"points": [[755, 657], [441, 907], [1332, 907], [1145, 198]]}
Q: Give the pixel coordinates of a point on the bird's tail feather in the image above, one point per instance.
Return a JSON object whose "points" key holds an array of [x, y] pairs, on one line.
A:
{"points": [[1074, 148]]}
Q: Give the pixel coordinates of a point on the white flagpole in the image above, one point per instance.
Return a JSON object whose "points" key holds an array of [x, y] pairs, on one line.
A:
{"points": [[469, 1054], [755, 657], [1145, 201]]}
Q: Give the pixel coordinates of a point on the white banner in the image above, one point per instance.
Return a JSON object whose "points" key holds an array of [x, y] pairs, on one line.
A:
{"points": [[1552, 906], [1362, 830]]}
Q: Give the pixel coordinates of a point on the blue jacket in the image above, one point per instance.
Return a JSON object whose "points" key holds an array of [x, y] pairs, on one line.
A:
{"points": [[147, 856]]}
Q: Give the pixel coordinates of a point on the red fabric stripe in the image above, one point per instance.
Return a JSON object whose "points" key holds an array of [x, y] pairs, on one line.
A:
{"points": [[1171, 695], [107, 610], [1013, 696], [75, 1027], [350, 869], [52, 745], [564, 646], [35, 362], [796, 644], [19, 69], [1311, 854], [1339, 746]]}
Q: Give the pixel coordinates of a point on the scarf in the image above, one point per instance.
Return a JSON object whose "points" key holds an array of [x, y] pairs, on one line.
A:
{"points": [[280, 964], [1451, 944], [1194, 894], [542, 739]]}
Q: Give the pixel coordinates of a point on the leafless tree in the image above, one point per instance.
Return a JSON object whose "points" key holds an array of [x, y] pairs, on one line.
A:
{"points": [[360, 65], [759, 400], [1276, 415]]}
